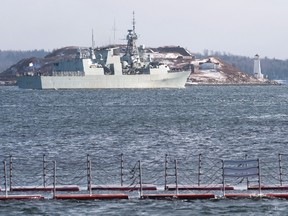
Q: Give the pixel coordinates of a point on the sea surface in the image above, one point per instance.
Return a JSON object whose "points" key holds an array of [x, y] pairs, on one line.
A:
{"points": [[219, 122]]}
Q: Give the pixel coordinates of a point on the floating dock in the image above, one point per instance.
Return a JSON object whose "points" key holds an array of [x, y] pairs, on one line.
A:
{"points": [[198, 187], [277, 195], [268, 187], [178, 196], [10, 197], [47, 188], [241, 195], [124, 187], [91, 196]]}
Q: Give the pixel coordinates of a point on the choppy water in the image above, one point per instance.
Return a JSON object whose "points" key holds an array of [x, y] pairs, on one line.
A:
{"points": [[217, 121]]}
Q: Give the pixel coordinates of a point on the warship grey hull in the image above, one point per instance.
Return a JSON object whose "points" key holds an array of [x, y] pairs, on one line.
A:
{"points": [[107, 68], [169, 80]]}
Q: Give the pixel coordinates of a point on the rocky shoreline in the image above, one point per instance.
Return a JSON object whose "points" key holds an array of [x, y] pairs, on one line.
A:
{"points": [[231, 84]]}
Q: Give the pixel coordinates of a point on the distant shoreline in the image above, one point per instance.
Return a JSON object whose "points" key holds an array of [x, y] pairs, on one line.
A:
{"points": [[233, 84]]}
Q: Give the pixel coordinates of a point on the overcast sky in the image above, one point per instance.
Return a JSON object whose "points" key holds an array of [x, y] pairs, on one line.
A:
{"points": [[241, 27]]}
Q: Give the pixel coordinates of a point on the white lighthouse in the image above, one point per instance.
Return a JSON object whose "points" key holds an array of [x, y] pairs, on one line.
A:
{"points": [[257, 67]]}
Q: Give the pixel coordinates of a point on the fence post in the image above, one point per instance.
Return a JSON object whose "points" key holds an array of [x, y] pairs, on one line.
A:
{"points": [[176, 176], [199, 169], [88, 174], [259, 177], [121, 169], [223, 177], [10, 169], [247, 178], [280, 168], [90, 177], [44, 170], [165, 171], [5, 178], [54, 180], [140, 179]]}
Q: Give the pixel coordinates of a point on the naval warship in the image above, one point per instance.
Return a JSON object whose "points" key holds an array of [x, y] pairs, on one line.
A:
{"points": [[107, 68]]}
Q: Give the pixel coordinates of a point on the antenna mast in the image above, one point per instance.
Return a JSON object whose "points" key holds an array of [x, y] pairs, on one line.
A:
{"points": [[114, 31], [134, 22], [93, 42]]}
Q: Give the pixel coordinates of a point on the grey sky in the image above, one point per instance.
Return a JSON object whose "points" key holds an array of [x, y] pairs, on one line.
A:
{"points": [[242, 27]]}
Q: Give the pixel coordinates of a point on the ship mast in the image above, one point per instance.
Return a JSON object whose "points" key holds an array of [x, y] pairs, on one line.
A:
{"points": [[114, 31], [131, 49], [133, 22], [93, 41], [92, 53]]}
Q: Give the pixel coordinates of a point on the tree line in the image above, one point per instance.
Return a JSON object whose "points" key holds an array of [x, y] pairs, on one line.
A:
{"points": [[275, 69], [11, 57]]}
